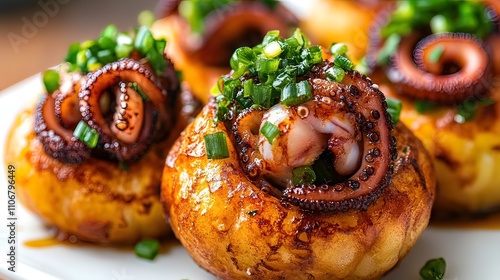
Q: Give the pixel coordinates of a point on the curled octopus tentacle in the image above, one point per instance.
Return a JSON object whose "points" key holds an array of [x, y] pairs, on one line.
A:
{"points": [[446, 68], [242, 24], [132, 127], [347, 122], [378, 149], [57, 140]]}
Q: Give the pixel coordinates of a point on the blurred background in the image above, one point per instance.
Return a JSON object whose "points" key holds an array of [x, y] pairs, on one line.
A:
{"points": [[35, 34]]}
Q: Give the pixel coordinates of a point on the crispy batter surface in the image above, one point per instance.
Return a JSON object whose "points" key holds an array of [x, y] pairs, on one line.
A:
{"points": [[236, 231], [466, 156]]}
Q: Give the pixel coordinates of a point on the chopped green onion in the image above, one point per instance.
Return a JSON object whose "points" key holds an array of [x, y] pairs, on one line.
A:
{"points": [[231, 88], [312, 55], [323, 168], [335, 74], [110, 32], [273, 49], [282, 80], [303, 176], [86, 134], [147, 249], [394, 108], [296, 93], [362, 67], [436, 54], [106, 56], [146, 18], [439, 24], [72, 52], [144, 40], [270, 36], [216, 145], [466, 111], [343, 62], [51, 80], [262, 95], [433, 269], [138, 89], [423, 106], [270, 131], [248, 88], [338, 49], [390, 47], [267, 66]]}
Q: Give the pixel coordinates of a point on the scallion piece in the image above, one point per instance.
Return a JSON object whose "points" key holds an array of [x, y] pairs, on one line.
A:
{"points": [[86, 134], [51, 80], [146, 18], [267, 66], [270, 36], [422, 106], [144, 40], [138, 89], [147, 249], [273, 49], [436, 54], [390, 47], [216, 145], [270, 131], [303, 175], [110, 32], [262, 95], [296, 93], [433, 269], [343, 62], [338, 49], [335, 74], [394, 108]]}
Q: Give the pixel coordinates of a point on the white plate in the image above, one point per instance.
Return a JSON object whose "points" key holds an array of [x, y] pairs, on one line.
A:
{"points": [[470, 254]]}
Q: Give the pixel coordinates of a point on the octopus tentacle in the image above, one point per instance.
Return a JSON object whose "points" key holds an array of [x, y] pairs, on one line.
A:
{"points": [[251, 19], [57, 140], [246, 133], [363, 100], [120, 146], [426, 77]]}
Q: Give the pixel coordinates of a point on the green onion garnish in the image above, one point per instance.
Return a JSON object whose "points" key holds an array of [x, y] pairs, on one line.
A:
{"points": [[138, 89], [466, 111], [343, 62], [146, 18], [216, 145], [439, 16], [296, 93], [338, 49], [335, 74], [390, 47], [112, 45], [268, 73], [323, 168], [423, 106], [433, 269], [273, 49], [86, 134], [270, 131], [51, 80], [439, 24], [303, 175], [147, 249], [394, 108], [436, 53]]}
